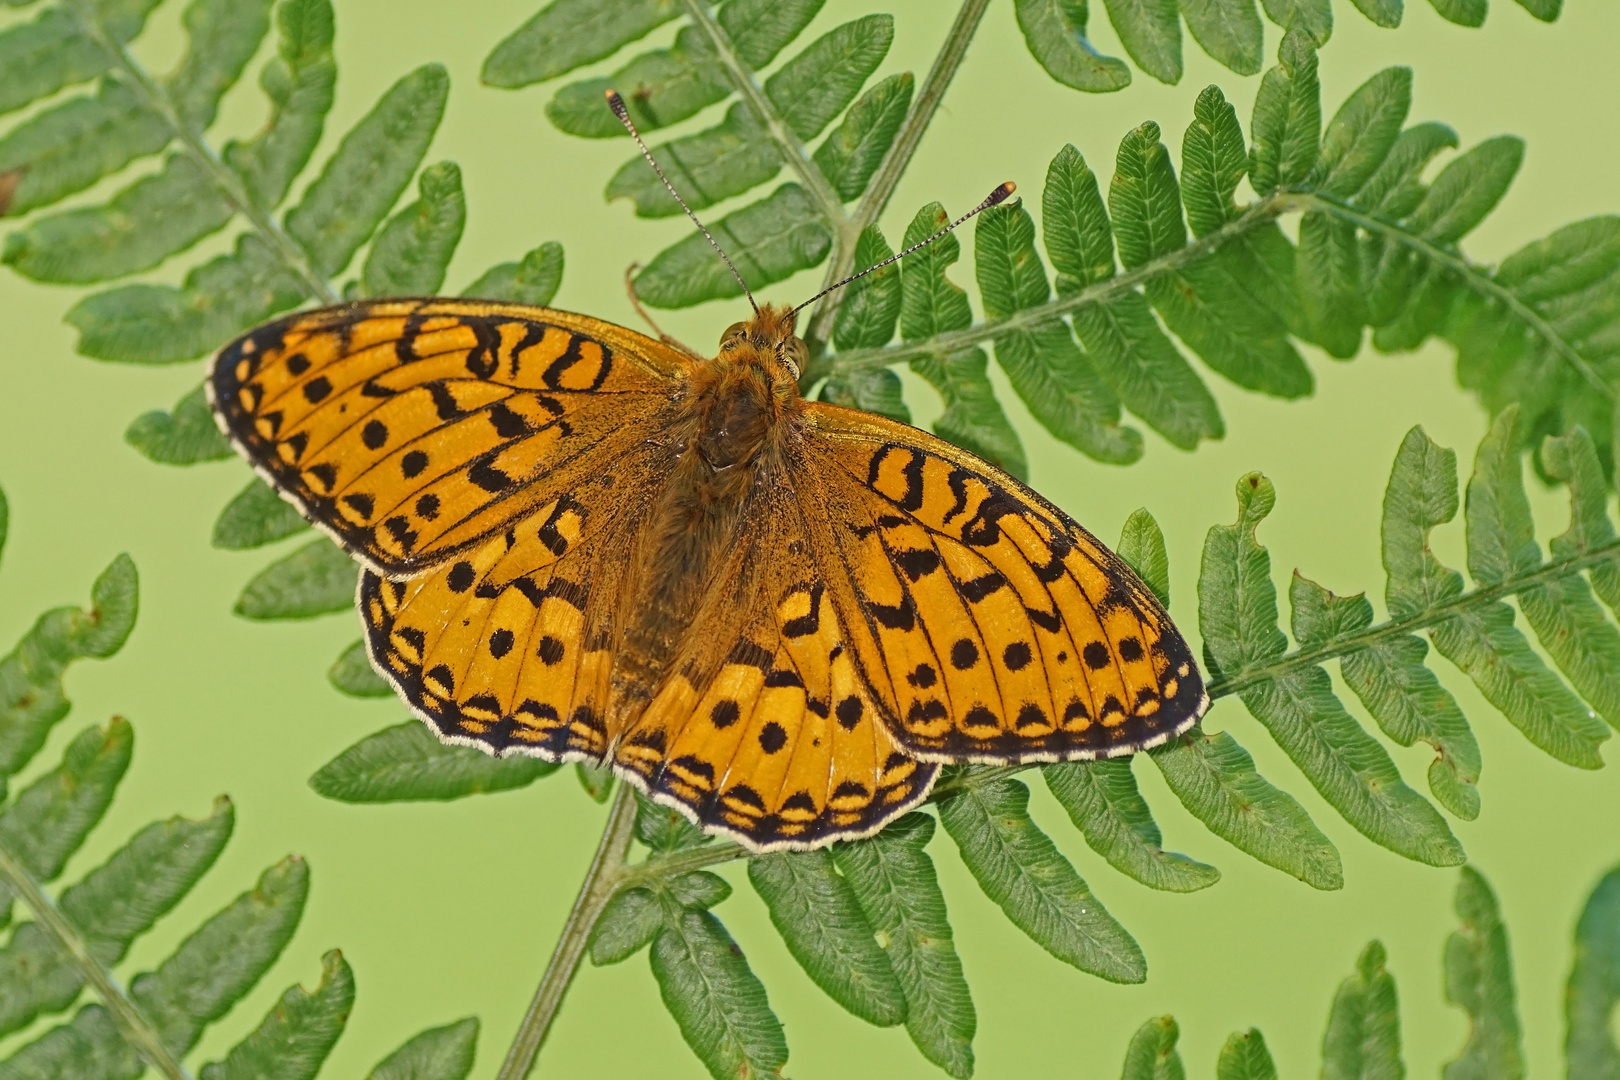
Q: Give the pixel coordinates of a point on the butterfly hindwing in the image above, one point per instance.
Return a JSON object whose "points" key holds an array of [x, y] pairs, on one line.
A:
{"points": [[766, 729], [1008, 633], [508, 646], [411, 430]]}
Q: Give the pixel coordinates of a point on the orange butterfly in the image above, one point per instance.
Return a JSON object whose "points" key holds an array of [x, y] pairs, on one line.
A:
{"points": [[776, 615]]}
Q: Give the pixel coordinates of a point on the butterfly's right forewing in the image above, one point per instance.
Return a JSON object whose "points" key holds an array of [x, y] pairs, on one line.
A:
{"points": [[412, 430]]}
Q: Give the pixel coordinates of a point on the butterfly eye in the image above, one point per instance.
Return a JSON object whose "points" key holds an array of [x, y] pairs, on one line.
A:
{"points": [[734, 333], [795, 354]]}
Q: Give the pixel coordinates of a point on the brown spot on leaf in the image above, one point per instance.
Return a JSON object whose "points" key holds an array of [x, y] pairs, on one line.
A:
{"points": [[8, 189]]}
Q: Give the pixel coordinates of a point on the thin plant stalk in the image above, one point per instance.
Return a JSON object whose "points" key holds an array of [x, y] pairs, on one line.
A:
{"points": [[601, 882]]}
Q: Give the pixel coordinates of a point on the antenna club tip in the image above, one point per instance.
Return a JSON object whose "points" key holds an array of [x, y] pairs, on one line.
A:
{"points": [[1001, 193], [616, 103]]}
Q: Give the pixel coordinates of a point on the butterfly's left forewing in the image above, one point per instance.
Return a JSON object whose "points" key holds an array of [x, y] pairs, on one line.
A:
{"points": [[1003, 630], [411, 430]]}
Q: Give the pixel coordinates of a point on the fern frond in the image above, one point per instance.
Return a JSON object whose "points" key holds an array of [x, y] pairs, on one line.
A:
{"points": [[74, 941]]}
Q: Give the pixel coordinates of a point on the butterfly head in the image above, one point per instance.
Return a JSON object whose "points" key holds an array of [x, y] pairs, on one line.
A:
{"points": [[767, 340]]}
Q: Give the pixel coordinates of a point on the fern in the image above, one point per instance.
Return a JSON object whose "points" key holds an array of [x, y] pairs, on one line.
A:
{"points": [[829, 908], [75, 940], [1363, 1036], [1377, 245]]}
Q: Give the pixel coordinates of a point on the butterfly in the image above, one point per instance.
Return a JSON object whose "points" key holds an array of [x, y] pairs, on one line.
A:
{"points": [[779, 616]]}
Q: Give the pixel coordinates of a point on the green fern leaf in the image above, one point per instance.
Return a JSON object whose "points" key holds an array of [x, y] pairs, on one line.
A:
{"points": [[51, 818], [769, 241], [352, 674], [32, 700], [663, 828], [112, 906], [1401, 693], [1386, 13], [1141, 544], [1479, 979], [852, 153], [369, 171], [895, 884], [713, 165], [1362, 134], [1594, 985], [317, 579], [1152, 1053], [534, 280], [1102, 800], [221, 37], [1481, 640], [1287, 124], [255, 517], [412, 251], [717, 1001], [1228, 30], [628, 924], [1132, 353], [1019, 868], [1055, 31], [873, 390], [820, 82], [1213, 160], [596, 780], [1363, 1037], [67, 147], [162, 324], [661, 87], [1573, 459], [932, 304], [1237, 609], [1216, 781], [815, 910], [1244, 1057], [567, 34], [1563, 613], [441, 1053], [53, 52], [1150, 30], [185, 436], [697, 891], [299, 83], [294, 1039], [219, 963], [1314, 17], [406, 763], [1047, 369]]}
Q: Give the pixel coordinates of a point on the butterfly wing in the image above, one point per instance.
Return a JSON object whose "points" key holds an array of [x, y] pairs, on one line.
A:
{"points": [[411, 430], [765, 728], [508, 645], [994, 627]]}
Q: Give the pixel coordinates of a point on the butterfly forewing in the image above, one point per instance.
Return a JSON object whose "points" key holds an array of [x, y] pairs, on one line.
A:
{"points": [[413, 429]]}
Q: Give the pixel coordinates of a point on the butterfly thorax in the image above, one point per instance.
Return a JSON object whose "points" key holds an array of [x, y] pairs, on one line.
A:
{"points": [[729, 433]]}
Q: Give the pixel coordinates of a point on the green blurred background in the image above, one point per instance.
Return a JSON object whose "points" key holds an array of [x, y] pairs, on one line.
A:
{"points": [[450, 910]]}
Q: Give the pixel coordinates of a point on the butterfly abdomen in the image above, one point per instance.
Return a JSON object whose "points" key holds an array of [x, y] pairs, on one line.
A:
{"points": [[727, 439]]}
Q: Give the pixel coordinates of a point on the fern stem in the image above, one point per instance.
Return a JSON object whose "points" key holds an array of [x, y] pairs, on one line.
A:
{"points": [[135, 1028], [602, 880], [788, 144], [154, 97], [893, 167], [1475, 278], [1420, 620], [1268, 209]]}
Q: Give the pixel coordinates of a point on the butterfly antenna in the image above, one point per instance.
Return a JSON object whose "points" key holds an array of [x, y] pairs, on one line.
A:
{"points": [[616, 103], [997, 196]]}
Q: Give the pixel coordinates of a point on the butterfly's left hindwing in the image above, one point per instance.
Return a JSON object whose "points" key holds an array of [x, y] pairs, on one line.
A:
{"points": [[411, 430]]}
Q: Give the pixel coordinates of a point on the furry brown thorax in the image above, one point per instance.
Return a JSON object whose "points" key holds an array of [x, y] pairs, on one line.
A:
{"points": [[731, 425]]}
